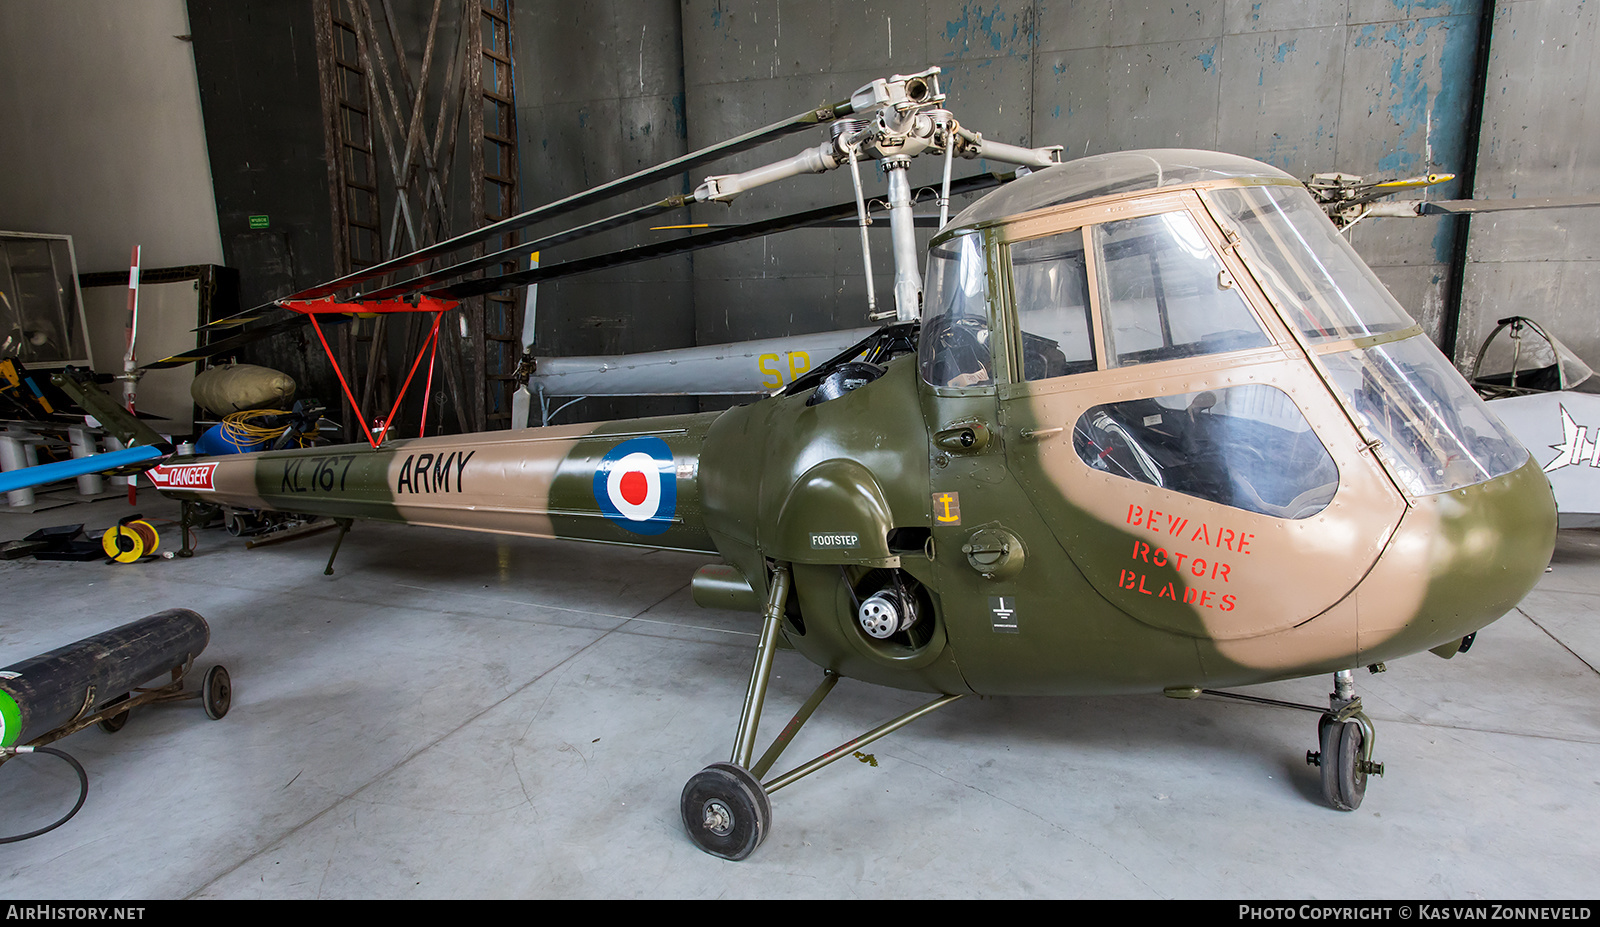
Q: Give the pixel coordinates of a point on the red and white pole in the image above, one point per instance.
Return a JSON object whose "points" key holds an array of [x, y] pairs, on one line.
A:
{"points": [[128, 365]]}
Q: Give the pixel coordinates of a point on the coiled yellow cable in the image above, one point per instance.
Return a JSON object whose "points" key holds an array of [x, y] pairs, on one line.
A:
{"points": [[238, 428]]}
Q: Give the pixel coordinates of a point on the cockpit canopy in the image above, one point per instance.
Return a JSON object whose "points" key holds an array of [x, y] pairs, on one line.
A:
{"points": [[1141, 258], [1116, 172]]}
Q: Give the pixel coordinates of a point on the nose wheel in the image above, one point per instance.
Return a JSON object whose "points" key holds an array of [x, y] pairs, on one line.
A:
{"points": [[1345, 734]]}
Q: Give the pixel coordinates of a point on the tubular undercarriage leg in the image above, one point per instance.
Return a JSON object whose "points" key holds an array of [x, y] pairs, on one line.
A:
{"points": [[725, 806], [725, 809]]}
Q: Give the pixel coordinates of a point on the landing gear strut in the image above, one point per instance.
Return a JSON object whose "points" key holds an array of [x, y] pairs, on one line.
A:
{"points": [[726, 809], [1346, 736], [1344, 733]]}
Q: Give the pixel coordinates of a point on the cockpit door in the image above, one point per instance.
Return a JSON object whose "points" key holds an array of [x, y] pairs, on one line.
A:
{"points": [[1162, 421]]}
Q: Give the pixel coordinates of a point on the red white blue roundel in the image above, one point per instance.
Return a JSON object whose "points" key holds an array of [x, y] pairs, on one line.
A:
{"points": [[636, 486]]}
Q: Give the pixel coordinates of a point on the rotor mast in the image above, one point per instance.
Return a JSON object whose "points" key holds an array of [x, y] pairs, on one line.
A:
{"points": [[892, 121]]}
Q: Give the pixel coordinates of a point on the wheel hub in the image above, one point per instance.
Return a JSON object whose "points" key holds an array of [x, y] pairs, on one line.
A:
{"points": [[718, 819]]}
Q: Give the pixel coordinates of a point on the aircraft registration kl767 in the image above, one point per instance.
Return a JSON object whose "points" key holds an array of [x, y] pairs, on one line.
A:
{"points": [[1162, 431]]}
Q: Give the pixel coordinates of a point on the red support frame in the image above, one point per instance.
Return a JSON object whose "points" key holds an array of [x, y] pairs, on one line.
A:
{"points": [[430, 345]]}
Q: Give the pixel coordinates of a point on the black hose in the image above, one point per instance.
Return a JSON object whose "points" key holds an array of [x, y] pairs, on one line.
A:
{"points": [[83, 794]]}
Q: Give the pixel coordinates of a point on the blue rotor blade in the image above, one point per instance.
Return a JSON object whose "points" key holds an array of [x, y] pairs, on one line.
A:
{"points": [[67, 469]]}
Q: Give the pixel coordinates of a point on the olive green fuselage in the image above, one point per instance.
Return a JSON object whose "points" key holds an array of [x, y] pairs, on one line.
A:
{"points": [[1019, 588]]}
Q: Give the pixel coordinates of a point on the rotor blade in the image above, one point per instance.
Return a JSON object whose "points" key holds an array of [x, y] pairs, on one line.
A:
{"points": [[277, 320], [1425, 180], [129, 389], [795, 123], [521, 404], [530, 303], [687, 244], [921, 222], [1465, 207], [41, 474], [516, 251], [283, 321], [522, 398]]}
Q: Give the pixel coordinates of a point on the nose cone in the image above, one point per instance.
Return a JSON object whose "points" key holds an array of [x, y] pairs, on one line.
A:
{"points": [[1458, 561]]}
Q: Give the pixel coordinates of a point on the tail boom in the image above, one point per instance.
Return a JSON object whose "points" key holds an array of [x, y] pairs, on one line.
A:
{"points": [[631, 482]]}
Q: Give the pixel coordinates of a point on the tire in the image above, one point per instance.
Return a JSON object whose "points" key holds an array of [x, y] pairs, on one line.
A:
{"points": [[216, 692], [1344, 779], [725, 811], [1352, 772]]}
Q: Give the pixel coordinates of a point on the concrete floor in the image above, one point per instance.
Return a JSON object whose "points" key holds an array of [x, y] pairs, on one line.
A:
{"points": [[455, 715]]}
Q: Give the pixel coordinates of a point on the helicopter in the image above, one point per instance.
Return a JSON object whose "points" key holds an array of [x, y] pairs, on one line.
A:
{"points": [[1154, 427]]}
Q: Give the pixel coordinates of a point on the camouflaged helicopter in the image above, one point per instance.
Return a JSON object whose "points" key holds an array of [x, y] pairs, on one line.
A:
{"points": [[1158, 429]]}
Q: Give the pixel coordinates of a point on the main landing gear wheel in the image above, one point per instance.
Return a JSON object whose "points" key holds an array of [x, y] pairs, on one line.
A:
{"points": [[216, 692], [1344, 773], [726, 811]]}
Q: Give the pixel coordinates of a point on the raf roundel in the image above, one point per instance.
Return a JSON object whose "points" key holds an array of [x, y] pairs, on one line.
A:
{"points": [[636, 486]]}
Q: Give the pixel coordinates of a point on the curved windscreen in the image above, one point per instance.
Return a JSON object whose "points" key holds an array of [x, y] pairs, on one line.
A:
{"points": [[954, 345], [1306, 266], [1436, 434], [1247, 446]]}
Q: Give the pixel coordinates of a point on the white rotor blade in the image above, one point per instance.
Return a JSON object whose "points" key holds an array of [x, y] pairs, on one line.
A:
{"points": [[522, 398]]}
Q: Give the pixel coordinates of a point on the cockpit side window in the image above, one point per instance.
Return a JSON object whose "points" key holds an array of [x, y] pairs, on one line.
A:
{"points": [[1051, 279], [954, 348], [1165, 294], [1247, 446]]}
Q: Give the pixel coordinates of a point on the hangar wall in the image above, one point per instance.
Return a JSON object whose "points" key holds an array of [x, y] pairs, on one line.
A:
{"points": [[1541, 138], [1383, 88], [102, 134], [1379, 87], [600, 95]]}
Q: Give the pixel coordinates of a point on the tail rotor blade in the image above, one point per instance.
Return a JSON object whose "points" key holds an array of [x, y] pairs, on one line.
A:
{"points": [[521, 404], [529, 302], [522, 399]]}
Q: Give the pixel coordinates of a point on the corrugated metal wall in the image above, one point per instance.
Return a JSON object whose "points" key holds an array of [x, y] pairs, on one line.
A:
{"points": [[1541, 137], [1375, 87]]}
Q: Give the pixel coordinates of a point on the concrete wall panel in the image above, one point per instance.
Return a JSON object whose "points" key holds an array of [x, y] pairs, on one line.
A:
{"points": [[892, 33], [1295, 131], [1142, 22], [1560, 295], [1541, 137], [1245, 16]]}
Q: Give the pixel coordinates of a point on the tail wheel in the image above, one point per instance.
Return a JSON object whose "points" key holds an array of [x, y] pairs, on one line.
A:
{"points": [[114, 723]]}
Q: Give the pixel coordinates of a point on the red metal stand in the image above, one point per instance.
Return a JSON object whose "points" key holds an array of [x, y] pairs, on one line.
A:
{"points": [[430, 345]]}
